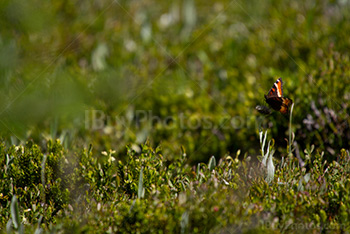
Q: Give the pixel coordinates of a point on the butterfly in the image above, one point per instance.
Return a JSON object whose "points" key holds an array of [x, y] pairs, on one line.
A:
{"points": [[275, 98]]}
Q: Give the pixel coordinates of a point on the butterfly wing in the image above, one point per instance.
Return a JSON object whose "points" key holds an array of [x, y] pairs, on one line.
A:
{"points": [[276, 90], [275, 102], [286, 103], [275, 98]]}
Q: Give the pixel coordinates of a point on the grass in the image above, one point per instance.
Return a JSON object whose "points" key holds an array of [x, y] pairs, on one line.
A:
{"points": [[290, 132], [229, 195], [139, 117]]}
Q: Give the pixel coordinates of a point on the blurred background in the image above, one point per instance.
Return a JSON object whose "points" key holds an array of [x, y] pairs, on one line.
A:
{"points": [[179, 73]]}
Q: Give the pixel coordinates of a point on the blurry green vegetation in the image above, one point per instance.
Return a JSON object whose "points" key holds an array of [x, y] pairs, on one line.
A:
{"points": [[184, 77], [181, 60]]}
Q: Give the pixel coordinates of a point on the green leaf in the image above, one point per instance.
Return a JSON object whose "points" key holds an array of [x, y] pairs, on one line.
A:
{"points": [[212, 163], [270, 168], [98, 57], [184, 222], [140, 191], [15, 212]]}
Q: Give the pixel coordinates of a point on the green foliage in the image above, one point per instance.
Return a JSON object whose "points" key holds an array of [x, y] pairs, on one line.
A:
{"points": [[110, 80], [197, 70], [230, 196], [16, 222], [38, 186]]}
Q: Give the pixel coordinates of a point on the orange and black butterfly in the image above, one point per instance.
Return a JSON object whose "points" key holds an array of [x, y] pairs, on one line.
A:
{"points": [[275, 98]]}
